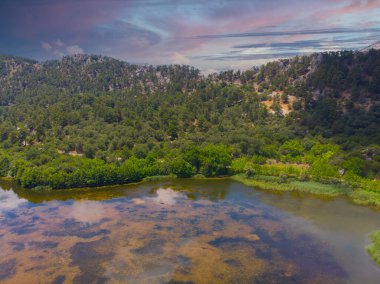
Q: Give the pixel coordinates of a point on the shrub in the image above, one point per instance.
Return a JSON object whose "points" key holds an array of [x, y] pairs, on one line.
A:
{"points": [[181, 168]]}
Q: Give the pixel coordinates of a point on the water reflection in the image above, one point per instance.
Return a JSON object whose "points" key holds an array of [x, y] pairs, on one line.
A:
{"points": [[9, 200], [167, 196], [86, 211], [174, 232]]}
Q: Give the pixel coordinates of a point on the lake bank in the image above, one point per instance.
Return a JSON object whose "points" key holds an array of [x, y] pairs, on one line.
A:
{"points": [[356, 195]]}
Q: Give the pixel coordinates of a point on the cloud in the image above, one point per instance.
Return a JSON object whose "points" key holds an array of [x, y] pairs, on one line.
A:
{"points": [[296, 44], [122, 38], [9, 200], [45, 45], [289, 33], [178, 58], [320, 43], [59, 48], [58, 53], [267, 49], [74, 49], [352, 7], [59, 43], [184, 32], [254, 56]]}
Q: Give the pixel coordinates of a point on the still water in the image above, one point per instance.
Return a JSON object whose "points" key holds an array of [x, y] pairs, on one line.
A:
{"points": [[183, 231]]}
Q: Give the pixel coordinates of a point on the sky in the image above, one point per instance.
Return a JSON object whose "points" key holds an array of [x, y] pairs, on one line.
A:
{"points": [[212, 35]]}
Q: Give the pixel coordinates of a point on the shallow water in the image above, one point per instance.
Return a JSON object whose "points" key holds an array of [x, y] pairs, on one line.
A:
{"points": [[183, 231]]}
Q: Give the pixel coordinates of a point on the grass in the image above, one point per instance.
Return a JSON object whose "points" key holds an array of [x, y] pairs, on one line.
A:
{"points": [[374, 248], [267, 183], [358, 195], [319, 188], [365, 197], [281, 184]]}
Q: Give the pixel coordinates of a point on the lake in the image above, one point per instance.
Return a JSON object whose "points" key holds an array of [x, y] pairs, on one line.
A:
{"points": [[182, 231]]}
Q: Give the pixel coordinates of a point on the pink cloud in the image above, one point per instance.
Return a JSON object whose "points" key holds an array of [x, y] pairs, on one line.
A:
{"points": [[352, 7]]}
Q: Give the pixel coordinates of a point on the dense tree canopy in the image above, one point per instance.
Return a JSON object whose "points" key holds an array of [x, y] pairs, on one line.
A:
{"points": [[90, 120]]}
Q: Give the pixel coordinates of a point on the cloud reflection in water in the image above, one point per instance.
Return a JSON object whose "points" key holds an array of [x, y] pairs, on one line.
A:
{"points": [[166, 196], [9, 200], [86, 211]]}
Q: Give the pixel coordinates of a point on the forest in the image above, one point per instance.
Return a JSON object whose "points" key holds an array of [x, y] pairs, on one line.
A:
{"points": [[90, 120]]}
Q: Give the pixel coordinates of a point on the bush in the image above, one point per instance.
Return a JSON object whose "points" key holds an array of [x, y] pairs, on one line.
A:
{"points": [[181, 168], [215, 160]]}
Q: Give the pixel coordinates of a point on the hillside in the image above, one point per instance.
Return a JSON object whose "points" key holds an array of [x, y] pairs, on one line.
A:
{"points": [[89, 73], [57, 114], [376, 46]]}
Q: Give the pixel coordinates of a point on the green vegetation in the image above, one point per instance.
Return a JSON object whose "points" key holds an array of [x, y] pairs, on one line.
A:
{"points": [[365, 197], [278, 184], [316, 178], [65, 171], [90, 120], [374, 248]]}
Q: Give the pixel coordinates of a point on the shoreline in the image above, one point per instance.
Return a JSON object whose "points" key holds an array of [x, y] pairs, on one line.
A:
{"points": [[357, 196]]}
